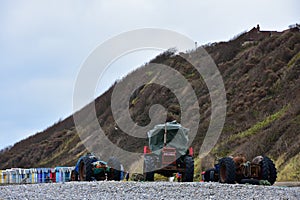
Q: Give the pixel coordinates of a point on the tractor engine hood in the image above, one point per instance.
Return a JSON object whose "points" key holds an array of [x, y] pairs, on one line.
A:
{"points": [[177, 137]]}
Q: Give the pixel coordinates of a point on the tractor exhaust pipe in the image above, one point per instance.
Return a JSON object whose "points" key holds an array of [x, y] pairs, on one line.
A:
{"points": [[165, 135]]}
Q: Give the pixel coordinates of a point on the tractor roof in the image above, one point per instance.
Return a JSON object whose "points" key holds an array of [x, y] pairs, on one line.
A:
{"points": [[177, 137]]}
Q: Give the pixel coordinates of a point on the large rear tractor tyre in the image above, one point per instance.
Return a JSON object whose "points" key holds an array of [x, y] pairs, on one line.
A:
{"points": [[188, 175], [115, 166], [149, 167], [268, 170], [227, 170], [85, 169]]}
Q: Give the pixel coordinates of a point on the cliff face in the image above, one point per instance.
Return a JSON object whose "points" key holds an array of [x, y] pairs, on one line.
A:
{"points": [[260, 71]]}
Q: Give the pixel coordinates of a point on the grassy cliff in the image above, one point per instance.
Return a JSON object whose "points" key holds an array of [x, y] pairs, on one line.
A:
{"points": [[260, 70]]}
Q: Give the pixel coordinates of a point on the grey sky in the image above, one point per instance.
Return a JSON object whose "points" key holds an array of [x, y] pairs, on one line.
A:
{"points": [[44, 43]]}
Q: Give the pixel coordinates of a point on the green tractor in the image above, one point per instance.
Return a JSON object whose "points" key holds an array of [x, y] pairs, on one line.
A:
{"points": [[168, 153], [90, 168]]}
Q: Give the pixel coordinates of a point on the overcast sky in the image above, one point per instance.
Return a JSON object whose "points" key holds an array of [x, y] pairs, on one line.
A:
{"points": [[43, 44]]}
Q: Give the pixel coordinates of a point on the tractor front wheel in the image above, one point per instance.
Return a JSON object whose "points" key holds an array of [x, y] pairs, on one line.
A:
{"points": [[85, 169]]}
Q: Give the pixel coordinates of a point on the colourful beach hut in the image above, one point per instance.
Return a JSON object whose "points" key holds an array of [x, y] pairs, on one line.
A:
{"points": [[63, 174], [4, 176], [33, 175], [26, 177], [11, 176], [39, 175], [1, 176], [53, 175], [46, 175]]}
